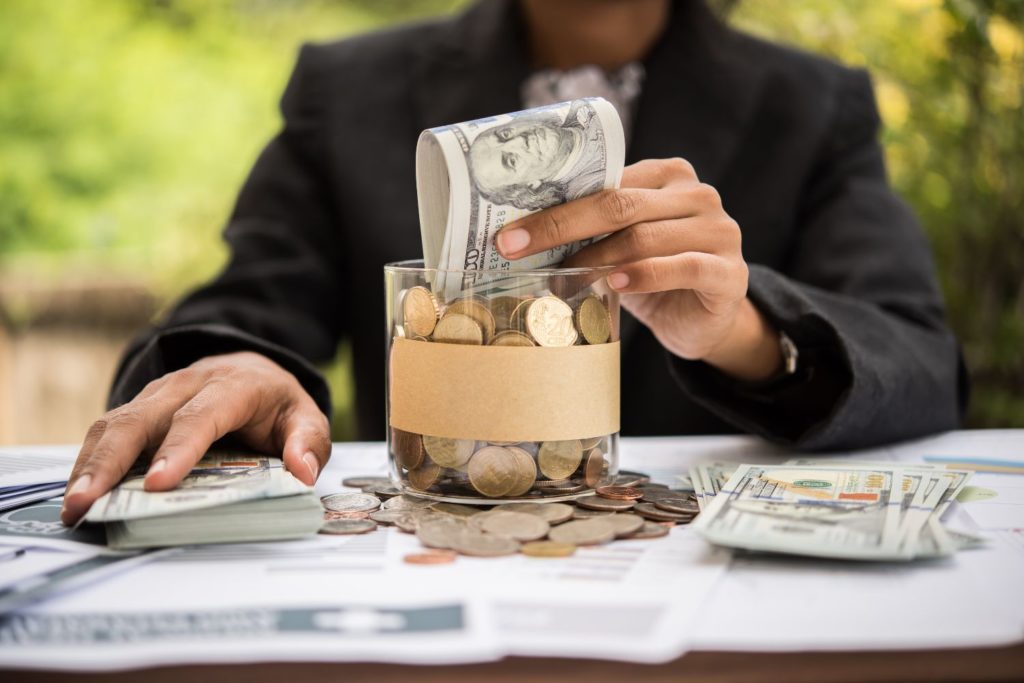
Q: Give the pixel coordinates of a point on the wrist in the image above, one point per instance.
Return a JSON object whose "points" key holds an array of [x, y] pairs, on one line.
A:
{"points": [[750, 351]]}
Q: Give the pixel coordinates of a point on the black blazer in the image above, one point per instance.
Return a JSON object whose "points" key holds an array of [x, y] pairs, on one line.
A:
{"points": [[788, 139]]}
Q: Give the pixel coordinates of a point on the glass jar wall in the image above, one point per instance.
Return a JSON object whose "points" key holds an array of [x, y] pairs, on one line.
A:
{"points": [[502, 386]]}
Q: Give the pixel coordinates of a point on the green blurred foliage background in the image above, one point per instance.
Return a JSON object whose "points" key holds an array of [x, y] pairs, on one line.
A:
{"points": [[127, 126]]}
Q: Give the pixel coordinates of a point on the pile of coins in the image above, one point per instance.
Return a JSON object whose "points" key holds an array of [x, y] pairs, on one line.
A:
{"points": [[631, 508], [504, 320], [529, 469]]}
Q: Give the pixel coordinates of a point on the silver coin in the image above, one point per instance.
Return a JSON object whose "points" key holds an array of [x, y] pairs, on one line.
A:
{"points": [[350, 502], [364, 481], [584, 513], [552, 513], [683, 506], [439, 532], [405, 502], [388, 517], [382, 491], [583, 532], [455, 509], [649, 511], [517, 525], [479, 544], [650, 530], [625, 523], [599, 503], [344, 527]]}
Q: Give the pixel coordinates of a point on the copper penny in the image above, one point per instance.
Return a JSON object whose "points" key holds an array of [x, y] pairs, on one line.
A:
{"points": [[619, 492], [439, 557]]}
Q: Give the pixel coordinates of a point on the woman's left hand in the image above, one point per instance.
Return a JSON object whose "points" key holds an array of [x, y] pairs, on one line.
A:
{"points": [[680, 265]]}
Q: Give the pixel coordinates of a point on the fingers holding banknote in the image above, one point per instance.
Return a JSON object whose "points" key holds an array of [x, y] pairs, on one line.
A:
{"points": [[680, 265], [178, 417]]}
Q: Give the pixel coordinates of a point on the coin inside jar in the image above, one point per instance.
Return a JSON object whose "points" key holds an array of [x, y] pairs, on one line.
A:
{"points": [[593, 321], [456, 328], [476, 309], [549, 321], [511, 338], [420, 311], [448, 452], [526, 471], [407, 448], [493, 471], [424, 476], [593, 470], [502, 308], [559, 459]]}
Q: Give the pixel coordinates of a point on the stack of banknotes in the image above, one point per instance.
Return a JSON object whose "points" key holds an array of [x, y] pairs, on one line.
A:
{"points": [[227, 497], [835, 509]]}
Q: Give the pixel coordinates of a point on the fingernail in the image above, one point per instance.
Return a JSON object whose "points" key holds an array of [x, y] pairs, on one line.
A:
{"points": [[80, 485], [512, 241], [618, 280], [311, 463], [159, 466]]}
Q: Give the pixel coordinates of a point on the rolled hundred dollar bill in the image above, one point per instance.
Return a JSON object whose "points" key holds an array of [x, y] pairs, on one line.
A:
{"points": [[474, 177]]}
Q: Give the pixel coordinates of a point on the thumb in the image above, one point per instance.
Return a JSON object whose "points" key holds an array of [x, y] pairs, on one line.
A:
{"points": [[307, 443]]}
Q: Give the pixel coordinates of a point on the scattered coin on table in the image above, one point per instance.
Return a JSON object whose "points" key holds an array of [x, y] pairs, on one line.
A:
{"points": [[641, 510]]}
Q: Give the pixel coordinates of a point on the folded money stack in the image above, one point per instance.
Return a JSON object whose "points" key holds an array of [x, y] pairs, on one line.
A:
{"points": [[837, 509], [472, 178], [630, 508], [226, 498]]}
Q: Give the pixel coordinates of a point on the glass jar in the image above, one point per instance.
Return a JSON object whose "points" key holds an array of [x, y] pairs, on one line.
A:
{"points": [[502, 386]]}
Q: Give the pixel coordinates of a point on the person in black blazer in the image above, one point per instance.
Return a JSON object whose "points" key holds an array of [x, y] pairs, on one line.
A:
{"points": [[822, 329]]}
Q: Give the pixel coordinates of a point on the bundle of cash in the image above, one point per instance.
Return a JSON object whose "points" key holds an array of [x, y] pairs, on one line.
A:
{"points": [[472, 178], [226, 498], [836, 509]]}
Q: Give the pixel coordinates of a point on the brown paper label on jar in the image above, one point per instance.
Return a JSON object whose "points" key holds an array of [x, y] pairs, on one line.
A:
{"points": [[504, 393]]}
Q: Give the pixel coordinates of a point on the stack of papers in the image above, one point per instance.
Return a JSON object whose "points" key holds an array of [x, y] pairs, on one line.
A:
{"points": [[26, 478]]}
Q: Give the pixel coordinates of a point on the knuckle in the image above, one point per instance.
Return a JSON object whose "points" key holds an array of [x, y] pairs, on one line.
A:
{"points": [[640, 239], [650, 274], [556, 228], [706, 195], [680, 166], [97, 428], [619, 207]]}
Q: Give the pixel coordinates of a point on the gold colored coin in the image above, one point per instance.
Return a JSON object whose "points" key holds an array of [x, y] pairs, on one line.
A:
{"points": [[593, 471], [549, 322], [493, 471], [449, 452], [593, 321], [419, 308], [526, 471], [559, 459], [455, 328], [502, 308], [424, 476], [476, 309], [591, 442], [547, 549], [511, 338], [517, 321], [407, 447]]}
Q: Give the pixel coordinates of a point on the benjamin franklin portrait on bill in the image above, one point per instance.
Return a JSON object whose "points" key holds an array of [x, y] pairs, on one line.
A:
{"points": [[538, 160]]}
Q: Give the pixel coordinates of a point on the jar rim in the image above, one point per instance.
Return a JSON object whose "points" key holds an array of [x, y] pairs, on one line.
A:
{"points": [[416, 266]]}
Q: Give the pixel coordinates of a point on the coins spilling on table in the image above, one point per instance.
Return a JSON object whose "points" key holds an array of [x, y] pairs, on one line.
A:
{"points": [[631, 508]]}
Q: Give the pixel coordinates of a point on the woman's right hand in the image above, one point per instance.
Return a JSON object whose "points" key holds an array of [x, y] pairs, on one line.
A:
{"points": [[178, 417]]}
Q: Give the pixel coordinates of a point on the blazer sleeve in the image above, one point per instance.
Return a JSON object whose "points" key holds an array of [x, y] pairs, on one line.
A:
{"points": [[280, 293], [860, 299]]}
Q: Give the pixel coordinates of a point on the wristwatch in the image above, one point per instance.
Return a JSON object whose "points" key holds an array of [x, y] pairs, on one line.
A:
{"points": [[790, 354]]}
